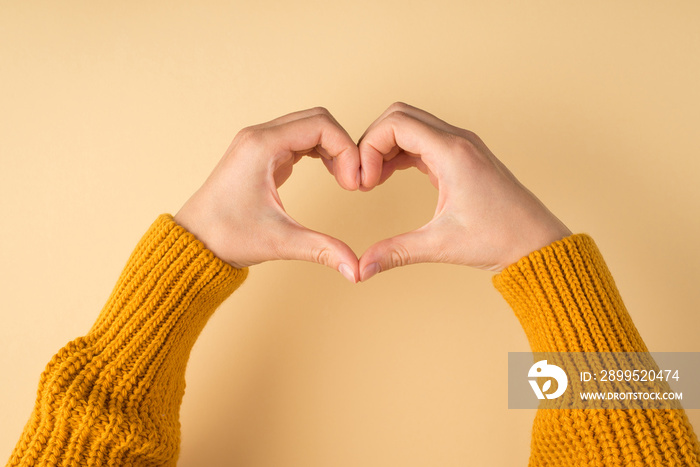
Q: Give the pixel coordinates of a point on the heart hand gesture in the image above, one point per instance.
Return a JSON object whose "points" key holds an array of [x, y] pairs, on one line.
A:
{"points": [[484, 217]]}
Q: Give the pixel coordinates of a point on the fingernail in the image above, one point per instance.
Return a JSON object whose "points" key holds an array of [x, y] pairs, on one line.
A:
{"points": [[359, 178], [370, 271], [345, 270]]}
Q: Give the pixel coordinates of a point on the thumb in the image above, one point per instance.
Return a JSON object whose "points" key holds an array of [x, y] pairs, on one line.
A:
{"points": [[418, 246], [305, 244]]}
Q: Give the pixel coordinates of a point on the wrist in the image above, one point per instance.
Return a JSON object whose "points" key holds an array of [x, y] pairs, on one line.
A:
{"points": [[201, 223], [533, 240]]}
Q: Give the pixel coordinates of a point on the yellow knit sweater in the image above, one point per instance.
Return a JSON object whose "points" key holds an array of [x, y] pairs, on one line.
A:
{"points": [[113, 396]]}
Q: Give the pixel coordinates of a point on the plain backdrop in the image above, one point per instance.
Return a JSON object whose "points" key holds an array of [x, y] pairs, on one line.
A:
{"points": [[114, 112]]}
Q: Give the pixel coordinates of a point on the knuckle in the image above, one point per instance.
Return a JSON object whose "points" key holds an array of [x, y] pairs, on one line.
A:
{"points": [[322, 118], [471, 151], [246, 131], [321, 255], [398, 115], [399, 256], [468, 134], [463, 148], [463, 144], [319, 110], [249, 136], [472, 137], [399, 106]]}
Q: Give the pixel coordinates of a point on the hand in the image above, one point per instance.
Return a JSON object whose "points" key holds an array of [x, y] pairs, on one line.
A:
{"points": [[484, 217], [238, 213]]}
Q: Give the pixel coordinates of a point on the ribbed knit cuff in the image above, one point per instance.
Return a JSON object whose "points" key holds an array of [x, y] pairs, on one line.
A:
{"points": [[566, 300], [113, 395], [173, 276]]}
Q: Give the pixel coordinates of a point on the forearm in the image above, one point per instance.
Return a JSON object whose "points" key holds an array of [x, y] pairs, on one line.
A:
{"points": [[114, 394], [567, 301]]}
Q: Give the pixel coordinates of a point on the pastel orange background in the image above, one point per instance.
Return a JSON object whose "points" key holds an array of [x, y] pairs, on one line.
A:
{"points": [[114, 112]]}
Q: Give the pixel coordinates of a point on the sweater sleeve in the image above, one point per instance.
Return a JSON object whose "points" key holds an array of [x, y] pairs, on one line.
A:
{"points": [[112, 397], [566, 301]]}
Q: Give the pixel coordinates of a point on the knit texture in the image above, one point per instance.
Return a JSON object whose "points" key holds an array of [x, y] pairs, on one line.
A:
{"points": [[113, 396], [567, 301]]}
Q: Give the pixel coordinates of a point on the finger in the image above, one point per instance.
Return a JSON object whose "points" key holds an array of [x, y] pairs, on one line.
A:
{"points": [[369, 161], [371, 165], [284, 171], [418, 114], [399, 133], [400, 162], [328, 163], [316, 153], [298, 242], [419, 246], [317, 130], [290, 117]]}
